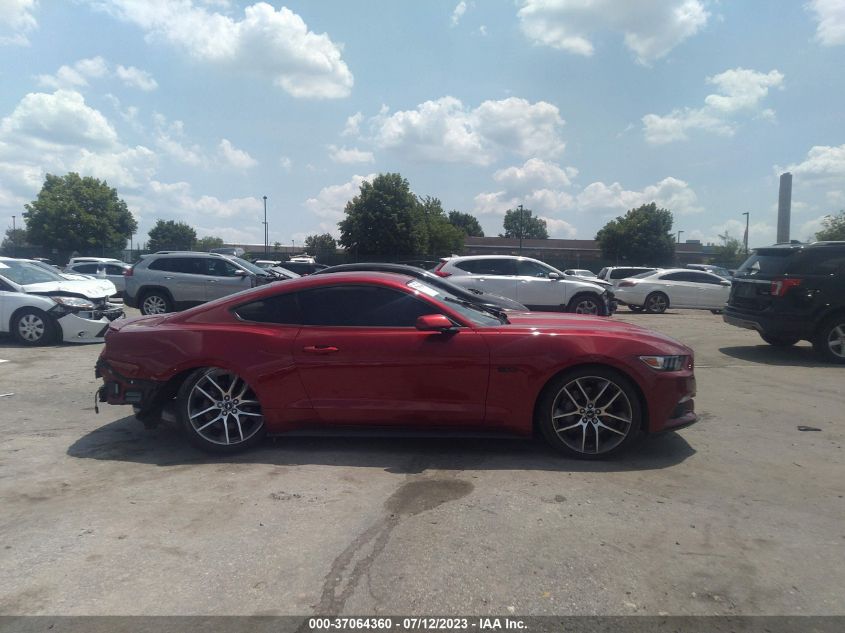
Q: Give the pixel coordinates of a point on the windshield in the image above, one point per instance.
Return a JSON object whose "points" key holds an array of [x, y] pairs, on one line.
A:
{"points": [[256, 270], [470, 311], [24, 273]]}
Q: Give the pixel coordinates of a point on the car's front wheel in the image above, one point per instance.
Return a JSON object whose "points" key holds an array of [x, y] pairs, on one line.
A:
{"points": [[155, 302], [219, 411], [590, 413], [586, 303], [33, 327], [830, 340]]}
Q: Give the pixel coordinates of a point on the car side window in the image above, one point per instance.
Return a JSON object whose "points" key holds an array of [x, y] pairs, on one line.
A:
{"points": [[111, 269], [361, 306], [674, 277], [220, 268], [705, 278], [817, 263], [531, 269], [490, 266], [281, 309], [622, 273], [85, 269]]}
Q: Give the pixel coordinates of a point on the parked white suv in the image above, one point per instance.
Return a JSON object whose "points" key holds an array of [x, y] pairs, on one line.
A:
{"points": [[528, 281]]}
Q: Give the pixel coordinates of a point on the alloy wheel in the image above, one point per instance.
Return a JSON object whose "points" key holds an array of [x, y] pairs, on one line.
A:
{"points": [[586, 306], [223, 409], [154, 304], [592, 415], [656, 303], [836, 340]]}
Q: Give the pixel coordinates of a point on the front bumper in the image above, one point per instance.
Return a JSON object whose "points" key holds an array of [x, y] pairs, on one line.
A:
{"points": [[87, 327]]}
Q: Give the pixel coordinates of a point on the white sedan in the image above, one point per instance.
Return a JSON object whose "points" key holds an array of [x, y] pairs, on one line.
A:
{"points": [[656, 291], [39, 306]]}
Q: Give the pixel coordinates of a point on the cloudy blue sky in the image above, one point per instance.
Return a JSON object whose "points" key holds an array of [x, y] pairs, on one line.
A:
{"points": [[578, 109]]}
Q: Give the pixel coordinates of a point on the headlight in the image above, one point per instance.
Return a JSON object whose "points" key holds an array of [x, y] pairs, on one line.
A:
{"points": [[74, 303], [666, 363]]}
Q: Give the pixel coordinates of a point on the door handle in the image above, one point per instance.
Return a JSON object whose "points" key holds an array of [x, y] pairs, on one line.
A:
{"points": [[320, 349], [212, 281], [169, 278]]}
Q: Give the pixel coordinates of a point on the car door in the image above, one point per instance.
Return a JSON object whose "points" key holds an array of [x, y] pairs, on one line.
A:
{"points": [[496, 276], [713, 290], [678, 287], [534, 288], [223, 278], [361, 358]]}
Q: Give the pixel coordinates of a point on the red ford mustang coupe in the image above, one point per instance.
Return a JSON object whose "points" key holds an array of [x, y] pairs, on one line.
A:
{"points": [[385, 350]]}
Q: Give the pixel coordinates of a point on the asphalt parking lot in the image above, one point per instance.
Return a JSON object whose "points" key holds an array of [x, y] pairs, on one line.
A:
{"points": [[739, 514]]}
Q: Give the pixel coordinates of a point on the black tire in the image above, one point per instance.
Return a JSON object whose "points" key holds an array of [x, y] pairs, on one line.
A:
{"points": [[587, 303], [33, 327], [656, 303], [191, 401], [558, 402], [780, 341], [155, 302], [634, 308], [829, 341]]}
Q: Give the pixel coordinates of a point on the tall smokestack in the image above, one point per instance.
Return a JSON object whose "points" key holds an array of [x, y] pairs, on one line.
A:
{"points": [[784, 206]]}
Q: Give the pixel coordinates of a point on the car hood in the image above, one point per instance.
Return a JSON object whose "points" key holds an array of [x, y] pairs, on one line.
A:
{"points": [[556, 323], [89, 288]]}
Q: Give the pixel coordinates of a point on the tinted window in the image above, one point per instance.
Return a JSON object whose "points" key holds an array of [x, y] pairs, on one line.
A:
{"points": [[361, 306], [282, 309], [531, 269], [220, 267], [111, 269], [189, 265], [766, 263], [622, 273], [86, 269], [817, 263], [489, 266], [674, 277], [703, 278]]}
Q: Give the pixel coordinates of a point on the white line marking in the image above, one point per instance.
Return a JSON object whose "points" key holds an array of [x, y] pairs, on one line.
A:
{"points": [[3, 361]]}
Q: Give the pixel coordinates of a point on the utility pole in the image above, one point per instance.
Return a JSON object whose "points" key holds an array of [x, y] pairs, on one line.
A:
{"points": [[14, 239], [677, 244], [266, 233], [745, 239], [521, 227]]}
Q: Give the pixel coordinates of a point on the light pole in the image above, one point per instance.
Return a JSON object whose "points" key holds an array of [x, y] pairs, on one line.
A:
{"points": [[677, 244], [521, 227], [745, 239], [266, 234], [14, 239]]}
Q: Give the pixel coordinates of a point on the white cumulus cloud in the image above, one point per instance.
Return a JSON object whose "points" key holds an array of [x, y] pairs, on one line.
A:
{"points": [[234, 157], [536, 172], [136, 78], [17, 19], [331, 201], [458, 12], [823, 162], [274, 44], [651, 28], [445, 130], [831, 17], [741, 91], [350, 155], [670, 193]]}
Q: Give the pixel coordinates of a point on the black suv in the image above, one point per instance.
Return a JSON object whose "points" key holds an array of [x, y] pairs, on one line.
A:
{"points": [[793, 292]]}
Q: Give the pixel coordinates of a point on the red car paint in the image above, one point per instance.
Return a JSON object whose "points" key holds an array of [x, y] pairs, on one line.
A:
{"points": [[480, 378]]}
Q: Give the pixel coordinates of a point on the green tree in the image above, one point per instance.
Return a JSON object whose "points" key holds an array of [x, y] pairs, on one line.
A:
{"points": [[15, 239], [643, 236], [834, 227], [78, 214], [467, 223], [169, 235], [729, 253], [521, 223], [381, 221], [208, 242], [320, 245], [439, 235]]}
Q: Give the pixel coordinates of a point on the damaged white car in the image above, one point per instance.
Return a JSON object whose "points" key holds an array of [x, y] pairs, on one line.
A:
{"points": [[39, 306]]}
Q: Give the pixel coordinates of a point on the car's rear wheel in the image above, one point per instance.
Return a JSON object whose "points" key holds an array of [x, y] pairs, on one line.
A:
{"points": [[830, 340], [586, 303], [590, 413], [634, 308], [33, 327], [155, 302], [219, 411], [779, 341], [656, 303]]}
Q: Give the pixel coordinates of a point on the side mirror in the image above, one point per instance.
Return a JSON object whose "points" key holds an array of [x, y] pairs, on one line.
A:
{"points": [[435, 323], [725, 283], [554, 276], [241, 273]]}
